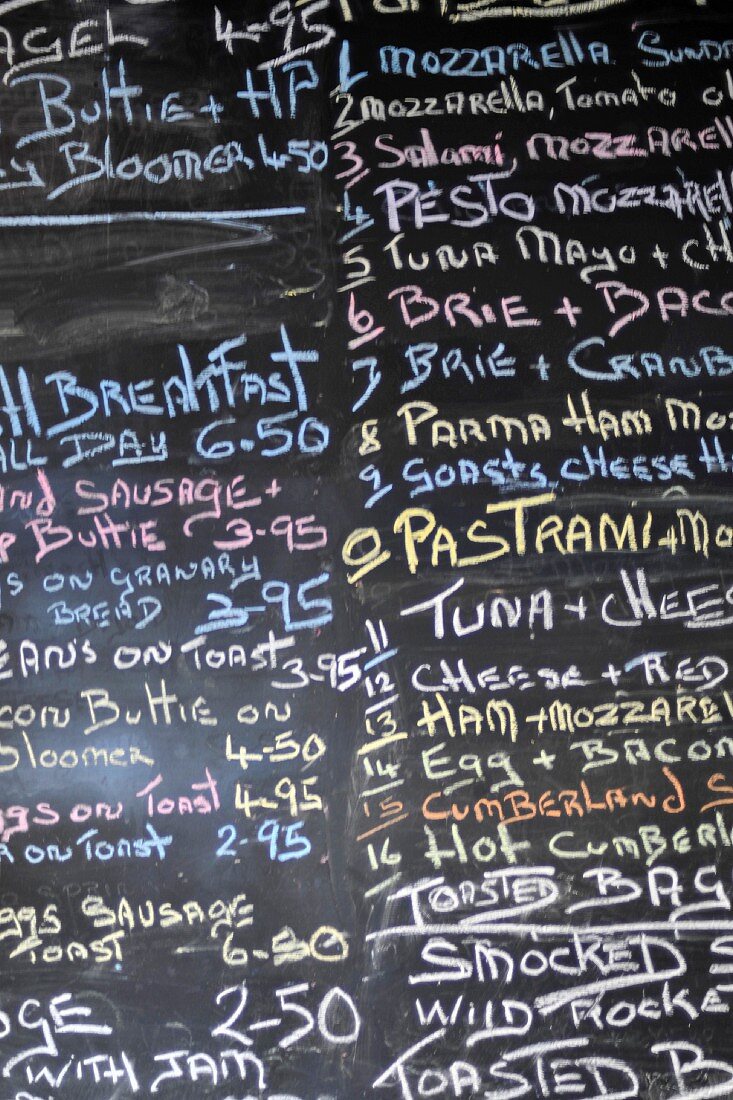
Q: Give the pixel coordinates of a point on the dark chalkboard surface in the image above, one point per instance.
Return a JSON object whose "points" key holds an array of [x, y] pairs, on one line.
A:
{"points": [[366, 435]]}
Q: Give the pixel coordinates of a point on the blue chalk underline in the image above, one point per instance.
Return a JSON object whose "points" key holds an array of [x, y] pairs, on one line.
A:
{"points": [[52, 221]]}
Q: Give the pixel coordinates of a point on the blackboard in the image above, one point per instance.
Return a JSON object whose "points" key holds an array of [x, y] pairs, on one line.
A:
{"points": [[366, 440]]}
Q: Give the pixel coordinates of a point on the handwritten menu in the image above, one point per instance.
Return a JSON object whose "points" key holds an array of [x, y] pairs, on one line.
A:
{"points": [[366, 551]]}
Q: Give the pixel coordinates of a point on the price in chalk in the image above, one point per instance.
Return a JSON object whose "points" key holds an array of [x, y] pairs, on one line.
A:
{"points": [[283, 842]]}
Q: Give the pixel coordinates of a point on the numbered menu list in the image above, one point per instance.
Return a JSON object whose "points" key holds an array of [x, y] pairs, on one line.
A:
{"points": [[365, 597]]}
